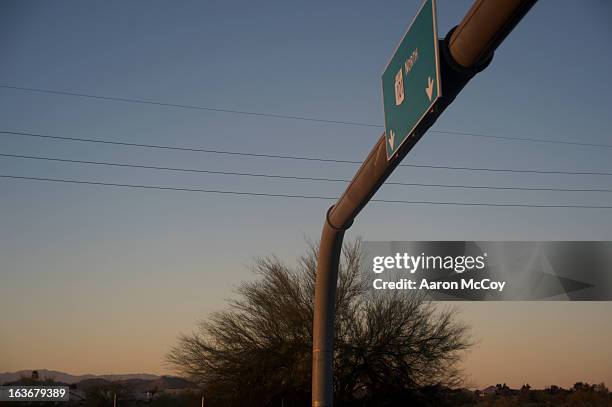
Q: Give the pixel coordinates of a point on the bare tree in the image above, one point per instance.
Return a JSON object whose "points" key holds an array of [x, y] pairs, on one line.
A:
{"points": [[259, 349]]}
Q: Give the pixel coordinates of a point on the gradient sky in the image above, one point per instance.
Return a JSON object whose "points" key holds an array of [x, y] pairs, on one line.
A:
{"points": [[102, 280]]}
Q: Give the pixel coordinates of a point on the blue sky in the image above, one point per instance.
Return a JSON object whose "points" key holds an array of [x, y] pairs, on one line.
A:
{"points": [[81, 262]]}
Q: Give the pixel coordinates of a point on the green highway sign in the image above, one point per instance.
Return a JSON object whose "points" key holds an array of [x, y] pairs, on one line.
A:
{"points": [[411, 80]]}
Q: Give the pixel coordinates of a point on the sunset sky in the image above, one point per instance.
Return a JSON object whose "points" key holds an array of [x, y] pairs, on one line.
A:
{"points": [[102, 280]]}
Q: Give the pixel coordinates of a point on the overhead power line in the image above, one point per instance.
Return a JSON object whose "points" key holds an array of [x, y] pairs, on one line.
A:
{"points": [[293, 177], [190, 107], [288, 117], [274, 195], [522, 139], [292, 157]]}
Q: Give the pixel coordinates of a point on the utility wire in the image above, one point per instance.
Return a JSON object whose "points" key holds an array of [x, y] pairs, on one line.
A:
{"points": [[299, 178], [289, 117], [523, 139], [302, 158], [213, 191], [191, 107]]}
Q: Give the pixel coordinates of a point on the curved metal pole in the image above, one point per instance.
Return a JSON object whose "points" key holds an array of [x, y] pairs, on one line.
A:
{"points": [[325, 300], [465, 51]]}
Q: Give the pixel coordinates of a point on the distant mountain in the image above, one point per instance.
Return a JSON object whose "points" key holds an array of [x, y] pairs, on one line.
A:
{"points": [[68, 378]]}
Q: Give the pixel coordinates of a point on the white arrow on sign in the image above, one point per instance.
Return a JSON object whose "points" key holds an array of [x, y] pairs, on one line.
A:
{"points": [[429, 88], [391, 137]]}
